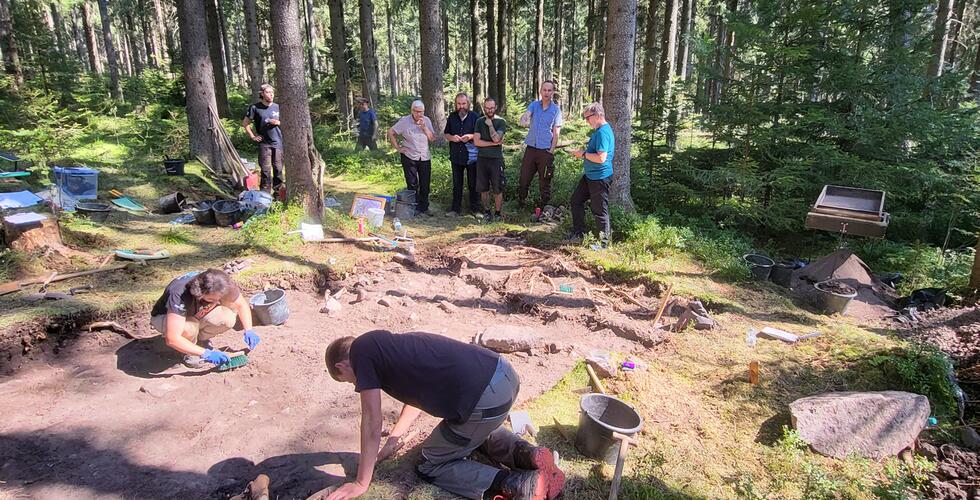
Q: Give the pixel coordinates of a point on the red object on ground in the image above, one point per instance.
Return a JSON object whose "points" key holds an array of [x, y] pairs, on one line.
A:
{"points": [[252, 182]]}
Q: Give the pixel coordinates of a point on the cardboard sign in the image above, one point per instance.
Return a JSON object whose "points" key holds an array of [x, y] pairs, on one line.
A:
{"points": [[364, 202]]}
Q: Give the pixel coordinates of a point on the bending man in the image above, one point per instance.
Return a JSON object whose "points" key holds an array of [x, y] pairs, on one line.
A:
{"points": [[195, 308], [469, 387]]}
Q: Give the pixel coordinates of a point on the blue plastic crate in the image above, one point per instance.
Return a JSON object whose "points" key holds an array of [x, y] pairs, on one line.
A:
{"points": [[79, 183]]}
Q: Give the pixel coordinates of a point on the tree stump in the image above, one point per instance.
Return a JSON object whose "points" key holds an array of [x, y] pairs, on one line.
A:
{"points": [[32, 237]]}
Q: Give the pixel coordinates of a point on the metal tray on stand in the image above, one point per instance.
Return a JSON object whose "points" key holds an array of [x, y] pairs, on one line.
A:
{"points": [[850, 211]]}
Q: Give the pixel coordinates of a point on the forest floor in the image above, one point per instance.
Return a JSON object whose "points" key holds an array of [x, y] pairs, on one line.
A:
{"points": [[104, 415]]}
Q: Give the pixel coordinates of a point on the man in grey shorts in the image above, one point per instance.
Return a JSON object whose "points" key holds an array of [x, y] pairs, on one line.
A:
{"points": [[471, 388]]}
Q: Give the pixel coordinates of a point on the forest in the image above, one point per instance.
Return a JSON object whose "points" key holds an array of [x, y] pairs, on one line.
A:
{"points": [[730, 118]]}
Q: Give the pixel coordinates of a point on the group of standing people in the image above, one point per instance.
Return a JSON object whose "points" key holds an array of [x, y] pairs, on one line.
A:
{"points": [[476, 155]]}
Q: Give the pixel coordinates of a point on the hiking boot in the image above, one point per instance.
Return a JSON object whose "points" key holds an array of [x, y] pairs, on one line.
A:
{"points": [[452, 213], [488, 216], [522, 485], [530, 457], [574, 236]]}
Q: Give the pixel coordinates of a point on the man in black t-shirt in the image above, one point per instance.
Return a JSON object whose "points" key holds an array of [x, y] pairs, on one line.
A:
{"points": [[471, 388], [265, 116]]}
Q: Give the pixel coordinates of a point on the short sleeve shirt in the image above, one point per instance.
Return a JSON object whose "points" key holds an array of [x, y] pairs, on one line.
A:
{"points": [[365, 123], [542, 122], [443, 377], [260, 114], [177, 299], [602, 140], [459, 153], [481, 128], [415, 142]]}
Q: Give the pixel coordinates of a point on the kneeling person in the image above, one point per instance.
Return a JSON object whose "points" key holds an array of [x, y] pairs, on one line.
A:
{"points": [[198, 306], [471, 388]]}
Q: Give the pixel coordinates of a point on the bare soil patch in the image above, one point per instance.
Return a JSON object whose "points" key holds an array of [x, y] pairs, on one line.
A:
{"points": [[104, 415]]}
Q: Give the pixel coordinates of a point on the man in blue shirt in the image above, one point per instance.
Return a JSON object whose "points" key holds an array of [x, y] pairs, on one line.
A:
{"points": [[460, 128], [545, 120], [594, 184], [265, 115], [367, 127]]}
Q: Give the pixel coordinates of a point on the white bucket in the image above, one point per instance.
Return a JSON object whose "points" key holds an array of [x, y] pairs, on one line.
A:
{"points": [[311, 232], [376, 217]]}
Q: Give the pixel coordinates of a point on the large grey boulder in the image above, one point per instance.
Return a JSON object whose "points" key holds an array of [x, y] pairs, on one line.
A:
{"points": [[870, 424], [510, 338]]}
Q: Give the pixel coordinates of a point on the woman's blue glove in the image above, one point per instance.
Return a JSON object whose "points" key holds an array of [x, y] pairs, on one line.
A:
{"points": [[216, 357], [251, 339]]}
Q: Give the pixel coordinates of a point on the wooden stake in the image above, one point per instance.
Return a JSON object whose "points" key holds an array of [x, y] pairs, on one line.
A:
{"points": [[660, 312], [624, 442], [595, 379]]}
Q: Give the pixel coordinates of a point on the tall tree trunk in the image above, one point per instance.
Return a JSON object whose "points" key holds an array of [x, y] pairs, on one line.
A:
{"points": [[256, 70], [149, 37], [304, 167], [311, 41], [110, 52], [573, 54], [58, 27], [502, 59], [134, 45], [668, 47], [939, 33], [225, 46], [444, 17], [8, 44], [217, 61], [338, 44], [94, 61], [975, 77], [559, 43], [431, 55], [683, 37], [650, 62], [975, 274], [369, 51], [590, 24], [163, 34], [617, 93], [691, 35], [79, 40], [198, 76], [476, 59], [392, 56], [538, 44], [492, 87], [955, 28]]}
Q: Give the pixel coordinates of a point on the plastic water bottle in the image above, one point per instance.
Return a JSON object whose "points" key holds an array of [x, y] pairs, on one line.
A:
{"points": [[750, 337], [397, 224]]}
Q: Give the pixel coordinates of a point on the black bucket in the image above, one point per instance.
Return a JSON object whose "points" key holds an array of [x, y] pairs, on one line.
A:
{"points": [[202, 213], [831, 301], [782, 274], [172, 203], [174, 166], [600, 416], [269, 308], [759, 265], [226, 212], [406, 195], [404, 210], [97, 212]]}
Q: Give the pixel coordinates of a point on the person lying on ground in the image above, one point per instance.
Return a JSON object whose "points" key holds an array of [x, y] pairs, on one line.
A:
{"points": [[471, 388], [196, 307]]}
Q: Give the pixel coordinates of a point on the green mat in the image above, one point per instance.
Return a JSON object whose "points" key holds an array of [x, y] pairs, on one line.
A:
{"points": [[128, 203]]}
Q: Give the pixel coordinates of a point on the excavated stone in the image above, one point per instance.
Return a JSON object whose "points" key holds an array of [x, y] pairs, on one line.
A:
{"points": [[510, 338], [869, 424]]}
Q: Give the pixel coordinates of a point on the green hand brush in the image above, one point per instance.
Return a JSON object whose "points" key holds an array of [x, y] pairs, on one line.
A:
{"points": [[236, 362]]}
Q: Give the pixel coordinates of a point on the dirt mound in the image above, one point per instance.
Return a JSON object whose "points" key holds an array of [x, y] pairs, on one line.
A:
{"points": [[957, 472], [954, 330], [874, 298]]}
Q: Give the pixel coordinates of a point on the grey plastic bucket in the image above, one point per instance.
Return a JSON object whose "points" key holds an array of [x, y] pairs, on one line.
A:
{"points": [[226, 212], [172, 203], [269, 307], [600, 416], [759, 265], [404, 210], [831, 302], [406, 195], [782, 274], [202, 213]]}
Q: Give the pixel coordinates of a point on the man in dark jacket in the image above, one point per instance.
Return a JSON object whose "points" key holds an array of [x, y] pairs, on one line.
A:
{"points": [[460, 127], [471, 388]]}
